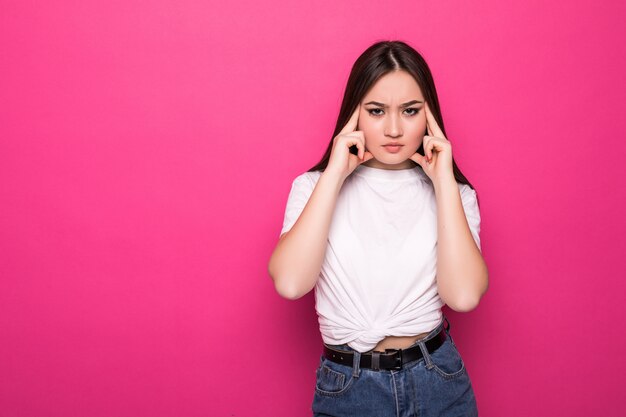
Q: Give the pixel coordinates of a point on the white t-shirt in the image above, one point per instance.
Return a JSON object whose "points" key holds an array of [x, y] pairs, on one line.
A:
{"points": [[378, 277]]}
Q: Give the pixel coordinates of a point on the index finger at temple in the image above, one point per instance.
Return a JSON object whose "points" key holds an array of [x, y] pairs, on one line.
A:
{"points": [[352, 123], [432, 123]]}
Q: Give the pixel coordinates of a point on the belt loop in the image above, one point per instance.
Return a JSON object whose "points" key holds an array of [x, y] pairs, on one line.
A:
{"points": [[447, 328], [375, 360], [425, 354], [356, 363]]}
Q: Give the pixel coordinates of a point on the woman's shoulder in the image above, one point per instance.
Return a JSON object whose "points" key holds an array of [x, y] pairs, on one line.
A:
{"points": [[308, 176], [466, 189], [306, 181], [469, 197]]}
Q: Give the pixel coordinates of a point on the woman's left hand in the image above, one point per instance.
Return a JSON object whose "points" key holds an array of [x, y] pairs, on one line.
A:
{"points": [[437, 163]]}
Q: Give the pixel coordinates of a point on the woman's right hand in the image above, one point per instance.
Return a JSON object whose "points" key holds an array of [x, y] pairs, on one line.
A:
{"points": [[341, 161]]}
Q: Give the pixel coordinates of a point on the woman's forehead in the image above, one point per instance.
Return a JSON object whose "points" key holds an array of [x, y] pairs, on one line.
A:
{"points": [[394, 88]]}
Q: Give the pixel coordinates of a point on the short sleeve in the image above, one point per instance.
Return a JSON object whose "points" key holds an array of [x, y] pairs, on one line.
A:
{"points": [[472, 213], [301, 189]]}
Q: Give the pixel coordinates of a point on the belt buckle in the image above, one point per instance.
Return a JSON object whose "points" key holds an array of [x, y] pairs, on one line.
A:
{"points": [[398, 364]]}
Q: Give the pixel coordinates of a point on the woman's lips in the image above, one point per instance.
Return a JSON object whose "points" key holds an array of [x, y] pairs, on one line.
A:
{"points": [[393, 148]]}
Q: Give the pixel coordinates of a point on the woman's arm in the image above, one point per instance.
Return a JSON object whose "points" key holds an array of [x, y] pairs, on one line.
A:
{"points": [[462, 276], [297, 259]]}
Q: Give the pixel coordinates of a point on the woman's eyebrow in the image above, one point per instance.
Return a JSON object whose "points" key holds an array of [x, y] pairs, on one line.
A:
{"points": [[407, 104]]}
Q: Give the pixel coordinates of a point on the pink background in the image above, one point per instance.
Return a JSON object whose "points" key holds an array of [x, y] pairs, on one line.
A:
{"points": [[146, 154]]}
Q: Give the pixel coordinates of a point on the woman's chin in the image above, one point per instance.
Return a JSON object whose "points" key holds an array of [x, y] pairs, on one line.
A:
{"points": [[393, 162]]}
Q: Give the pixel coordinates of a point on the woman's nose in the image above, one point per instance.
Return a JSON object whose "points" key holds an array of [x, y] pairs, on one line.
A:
{"points": [[392, 127]]}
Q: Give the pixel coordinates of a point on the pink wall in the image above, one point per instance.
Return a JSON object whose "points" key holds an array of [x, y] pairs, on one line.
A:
{"points": [[146, 154]]}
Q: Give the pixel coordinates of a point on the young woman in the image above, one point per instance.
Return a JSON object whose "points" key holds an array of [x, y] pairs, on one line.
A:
{"points": [[386, 229]]}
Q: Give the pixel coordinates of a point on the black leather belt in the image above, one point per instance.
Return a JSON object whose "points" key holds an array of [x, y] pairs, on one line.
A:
{"points": [[391, 358]]}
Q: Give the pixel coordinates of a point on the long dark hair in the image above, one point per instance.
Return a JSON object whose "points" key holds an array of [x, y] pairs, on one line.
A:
{"points": [[377, 60]]}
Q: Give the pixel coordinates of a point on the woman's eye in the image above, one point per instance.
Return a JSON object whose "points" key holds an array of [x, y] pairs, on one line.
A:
{"points": [[415, 110], [373, 110]]}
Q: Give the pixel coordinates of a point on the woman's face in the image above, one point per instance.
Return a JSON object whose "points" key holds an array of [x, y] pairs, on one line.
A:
{"points": [[391, 113]]}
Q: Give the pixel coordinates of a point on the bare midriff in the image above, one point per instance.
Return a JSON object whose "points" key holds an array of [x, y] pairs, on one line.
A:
{"points": [[398, 342]]}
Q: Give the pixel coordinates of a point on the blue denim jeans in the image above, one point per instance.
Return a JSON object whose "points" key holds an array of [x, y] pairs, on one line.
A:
{"points": [[436, 385]]}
